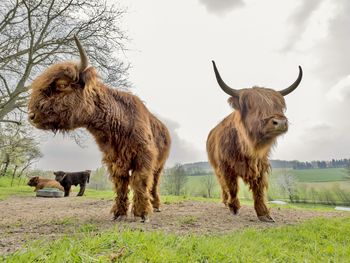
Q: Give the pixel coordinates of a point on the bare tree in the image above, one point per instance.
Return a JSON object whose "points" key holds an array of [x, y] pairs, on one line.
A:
{"points": [[37, 33], [288, 185], [19, 148], [175, 180], [209, 183], [99, 179]]}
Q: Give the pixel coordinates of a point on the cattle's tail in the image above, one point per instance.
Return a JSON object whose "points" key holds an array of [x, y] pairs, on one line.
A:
{"points": [[88, 177]]}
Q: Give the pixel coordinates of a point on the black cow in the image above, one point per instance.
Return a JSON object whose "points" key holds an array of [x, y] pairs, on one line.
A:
{"points": [[75, 178]]}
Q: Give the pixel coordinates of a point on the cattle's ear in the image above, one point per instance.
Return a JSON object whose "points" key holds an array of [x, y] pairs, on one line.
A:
{"points": [[88, 77], [234, 102]]}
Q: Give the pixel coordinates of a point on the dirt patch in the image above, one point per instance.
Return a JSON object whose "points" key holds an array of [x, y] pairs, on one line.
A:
{"points": [[30, 218]]}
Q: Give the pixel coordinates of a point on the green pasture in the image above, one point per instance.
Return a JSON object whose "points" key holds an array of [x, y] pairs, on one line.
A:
{"points": [[22, 190], [343, 185], [318, 240], [18, 188], [321, 178], [314, 175], [325, 185], [328, 186]]}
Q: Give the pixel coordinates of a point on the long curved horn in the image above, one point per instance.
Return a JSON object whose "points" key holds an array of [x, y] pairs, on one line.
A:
{"points": [[222, 84], [292, 87], [84, 60]]}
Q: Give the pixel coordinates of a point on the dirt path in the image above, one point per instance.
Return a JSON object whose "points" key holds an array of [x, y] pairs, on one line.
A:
{"points": [[30, 218]]}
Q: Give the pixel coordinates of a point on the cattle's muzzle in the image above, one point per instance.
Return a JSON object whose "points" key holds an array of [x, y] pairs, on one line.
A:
{"points": [[280, 124]]}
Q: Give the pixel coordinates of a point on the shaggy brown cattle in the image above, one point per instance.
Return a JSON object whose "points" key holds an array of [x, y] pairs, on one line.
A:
{"points": [[240, 144], [67, 179], [41, 183], [70, 95]]}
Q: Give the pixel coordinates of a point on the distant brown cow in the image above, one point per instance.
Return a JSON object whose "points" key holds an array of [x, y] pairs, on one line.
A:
{"points": [[239, 145], [41, 183]]}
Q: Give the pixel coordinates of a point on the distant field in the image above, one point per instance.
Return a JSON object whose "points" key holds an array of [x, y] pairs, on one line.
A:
{"points": [[343, 185], [306, 175], [314, 175], [331, 180], [196, 186]]}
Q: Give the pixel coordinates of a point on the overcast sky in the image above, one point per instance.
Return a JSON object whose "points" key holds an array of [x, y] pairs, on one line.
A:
{"points": [[253, 43]]}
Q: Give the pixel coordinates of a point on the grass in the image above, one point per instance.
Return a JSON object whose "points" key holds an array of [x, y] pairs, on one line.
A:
{"points": [[344, 185], [19, 188], [318, 240], [188, 220], [64, 221], [303, 206], [315, 175], [195, 186], [99, 194]]}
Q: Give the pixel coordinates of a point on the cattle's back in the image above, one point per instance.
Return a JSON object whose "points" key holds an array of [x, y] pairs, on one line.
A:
{"points": [[161, 137], [49, 183], [142, 120]]}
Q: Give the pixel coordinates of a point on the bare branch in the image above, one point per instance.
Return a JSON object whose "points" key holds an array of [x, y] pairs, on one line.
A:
{"points": [[6, 84], [9, 16], [36, 33], [11, 121]]}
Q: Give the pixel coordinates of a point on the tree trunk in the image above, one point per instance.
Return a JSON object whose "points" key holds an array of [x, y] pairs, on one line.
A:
{"points": [[7, 163], [13, 175]]}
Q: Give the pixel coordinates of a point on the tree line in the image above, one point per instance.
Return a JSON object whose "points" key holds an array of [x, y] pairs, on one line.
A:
{"points": [[203, 168], [334, 163]]}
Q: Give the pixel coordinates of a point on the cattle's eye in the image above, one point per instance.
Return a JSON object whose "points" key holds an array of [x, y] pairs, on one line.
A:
{"points": [[62, 85]]}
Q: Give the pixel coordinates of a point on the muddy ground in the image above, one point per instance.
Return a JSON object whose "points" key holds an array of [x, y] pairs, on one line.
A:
{"points": [[30, 218]]}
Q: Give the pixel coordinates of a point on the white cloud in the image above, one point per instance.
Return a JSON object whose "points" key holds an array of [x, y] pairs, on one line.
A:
{"points": [[221, 7], [340, 90]]}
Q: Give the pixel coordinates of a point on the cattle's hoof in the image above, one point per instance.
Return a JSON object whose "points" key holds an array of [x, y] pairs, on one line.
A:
{"points": [[267, 218], [144, 219], [119, 218], [157, 210], [235, 212]]}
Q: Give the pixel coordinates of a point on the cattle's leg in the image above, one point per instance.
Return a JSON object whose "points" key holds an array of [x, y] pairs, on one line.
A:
{"points": [[224, 191], [155, 190], [121, 186], [82, 189], [67, 190], [232, 189], [259, 188], [141, 184]]}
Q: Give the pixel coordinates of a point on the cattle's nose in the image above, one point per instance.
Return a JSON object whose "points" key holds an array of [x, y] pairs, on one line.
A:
{"points": [[279, 123], [31, 116]]}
